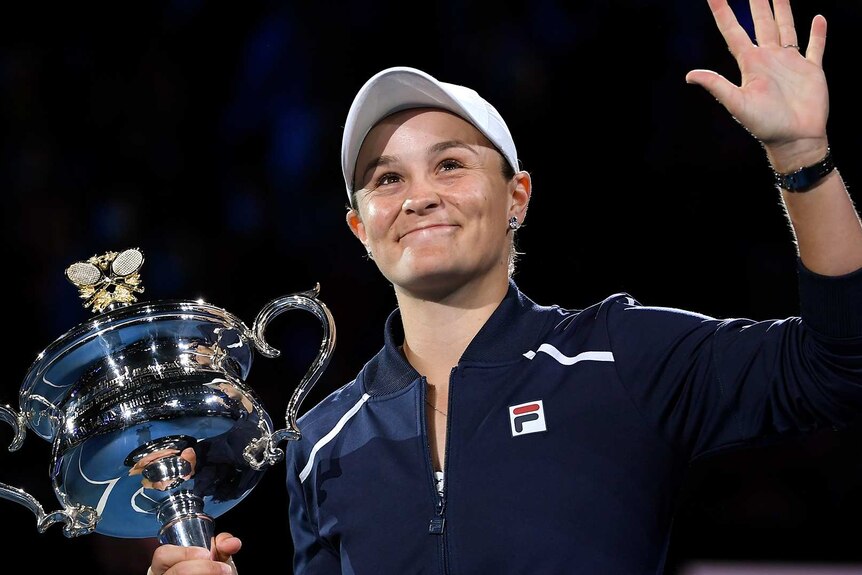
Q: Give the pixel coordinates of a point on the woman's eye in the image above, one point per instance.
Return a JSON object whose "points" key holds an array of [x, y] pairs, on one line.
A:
{"points": [[447, 165], [387, 179]]}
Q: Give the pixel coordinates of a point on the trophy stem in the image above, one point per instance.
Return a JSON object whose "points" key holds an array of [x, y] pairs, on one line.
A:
{"points": [[184, 522]]}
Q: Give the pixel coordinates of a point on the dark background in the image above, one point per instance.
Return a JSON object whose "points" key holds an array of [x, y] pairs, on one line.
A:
{"points": [[208, 135]]}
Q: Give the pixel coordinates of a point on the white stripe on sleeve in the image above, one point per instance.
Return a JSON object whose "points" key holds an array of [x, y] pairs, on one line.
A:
{"points": [[330, 436]]}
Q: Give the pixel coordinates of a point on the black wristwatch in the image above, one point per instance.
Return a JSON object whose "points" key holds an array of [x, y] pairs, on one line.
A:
{"points": [[806, 178]]}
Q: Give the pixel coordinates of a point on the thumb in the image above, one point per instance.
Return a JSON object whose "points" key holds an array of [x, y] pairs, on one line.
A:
{"points": [[720, 87], [225, 546]]}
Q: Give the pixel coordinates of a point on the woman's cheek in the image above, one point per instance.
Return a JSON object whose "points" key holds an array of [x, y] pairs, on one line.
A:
{"points": [[378, 217]]}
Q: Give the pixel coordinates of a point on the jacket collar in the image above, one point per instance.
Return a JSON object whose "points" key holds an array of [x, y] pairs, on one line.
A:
{"points": [[508, 333]]}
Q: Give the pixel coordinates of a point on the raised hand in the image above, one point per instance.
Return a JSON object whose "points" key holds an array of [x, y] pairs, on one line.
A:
{"points": [[782, 98]]}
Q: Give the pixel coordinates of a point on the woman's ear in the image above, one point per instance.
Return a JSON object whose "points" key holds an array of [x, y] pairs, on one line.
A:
{"points": [[354, 222], [521, 192]]}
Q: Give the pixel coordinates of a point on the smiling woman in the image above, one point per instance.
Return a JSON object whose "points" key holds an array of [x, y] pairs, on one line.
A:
{"points": [[494, 434], [433, 209], [208, 135]]}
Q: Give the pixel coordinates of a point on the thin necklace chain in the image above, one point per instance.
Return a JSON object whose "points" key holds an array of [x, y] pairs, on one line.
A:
{"points": [[431, 405]]}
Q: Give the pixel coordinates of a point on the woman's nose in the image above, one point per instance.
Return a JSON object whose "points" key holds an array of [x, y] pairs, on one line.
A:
{"points": [[420, 198]]}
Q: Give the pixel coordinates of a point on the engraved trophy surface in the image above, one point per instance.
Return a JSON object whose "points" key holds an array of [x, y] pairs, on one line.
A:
{"points": [[154, 431]]}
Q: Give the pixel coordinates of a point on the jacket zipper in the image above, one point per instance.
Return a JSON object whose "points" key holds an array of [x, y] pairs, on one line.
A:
{"points": [[437, 525]]}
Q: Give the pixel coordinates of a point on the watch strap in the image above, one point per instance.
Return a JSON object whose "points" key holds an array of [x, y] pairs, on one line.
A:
{"points": [[807, 177]]}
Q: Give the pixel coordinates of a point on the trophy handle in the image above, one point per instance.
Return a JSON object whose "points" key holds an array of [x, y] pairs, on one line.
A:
{"points": [[78, 519], [263, 451]]}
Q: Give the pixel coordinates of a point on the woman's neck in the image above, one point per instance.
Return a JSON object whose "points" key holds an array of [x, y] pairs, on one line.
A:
{"points": [[436, 333]]}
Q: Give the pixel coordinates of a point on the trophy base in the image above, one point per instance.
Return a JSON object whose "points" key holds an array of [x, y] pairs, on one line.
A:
{"points": [[184, 523]]}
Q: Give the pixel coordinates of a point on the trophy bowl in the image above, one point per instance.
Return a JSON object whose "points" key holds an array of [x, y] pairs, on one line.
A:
{"points": [[153, 429]]}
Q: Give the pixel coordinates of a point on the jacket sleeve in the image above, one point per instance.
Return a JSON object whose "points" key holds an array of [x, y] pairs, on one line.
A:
{"points": [[709, 384], [311, 554]]}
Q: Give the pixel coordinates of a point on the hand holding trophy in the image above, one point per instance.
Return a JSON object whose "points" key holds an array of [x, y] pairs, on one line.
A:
{"points": [[154, 431]]}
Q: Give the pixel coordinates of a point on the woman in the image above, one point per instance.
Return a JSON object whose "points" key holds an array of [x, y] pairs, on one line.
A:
{"points": [[492, 434]]}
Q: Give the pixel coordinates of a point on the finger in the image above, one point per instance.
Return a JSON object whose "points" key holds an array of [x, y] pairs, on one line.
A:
{"points": [[202, 567], [784, 21], [226, 545], [765, 29], [167, 555], [735, 35], [817, 40], [722, 89]]}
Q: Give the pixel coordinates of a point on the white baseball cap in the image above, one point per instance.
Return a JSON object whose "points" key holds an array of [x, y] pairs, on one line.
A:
{"points": [[401, 88]]}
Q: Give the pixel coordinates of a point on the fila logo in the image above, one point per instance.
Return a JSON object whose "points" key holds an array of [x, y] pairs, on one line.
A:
{"points": [[527, 418]]}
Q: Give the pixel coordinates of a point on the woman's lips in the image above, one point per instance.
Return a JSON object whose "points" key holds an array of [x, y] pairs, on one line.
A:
{"points": [[428, 230]]}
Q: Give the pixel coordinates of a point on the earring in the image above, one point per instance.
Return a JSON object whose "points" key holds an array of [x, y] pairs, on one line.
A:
{"points": [[368, 251], [514, 224]]}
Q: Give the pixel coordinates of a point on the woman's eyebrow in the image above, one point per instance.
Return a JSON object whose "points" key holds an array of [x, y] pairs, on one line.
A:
{"points": [[448, 144], [383, 160]]}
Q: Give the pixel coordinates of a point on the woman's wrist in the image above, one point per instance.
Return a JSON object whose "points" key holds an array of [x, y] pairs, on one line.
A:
{"points": [[791, 156], [806, 177]]}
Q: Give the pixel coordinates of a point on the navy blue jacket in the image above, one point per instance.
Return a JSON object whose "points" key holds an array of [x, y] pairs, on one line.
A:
{"points": [[569, 433]]}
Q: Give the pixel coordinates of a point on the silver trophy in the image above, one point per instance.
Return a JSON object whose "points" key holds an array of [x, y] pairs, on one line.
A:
{"points": [[154, 431]]}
